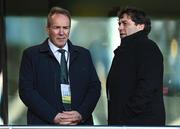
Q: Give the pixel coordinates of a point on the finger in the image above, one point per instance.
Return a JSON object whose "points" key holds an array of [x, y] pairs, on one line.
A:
{"points": [[70, 112], [65, 116], [65, 123], [74, 123]]}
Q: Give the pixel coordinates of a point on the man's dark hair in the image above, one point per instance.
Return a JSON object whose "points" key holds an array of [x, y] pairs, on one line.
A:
{"points": [[137, 16]]}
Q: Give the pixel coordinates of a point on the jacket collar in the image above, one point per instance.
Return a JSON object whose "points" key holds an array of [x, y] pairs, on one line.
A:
{"points": [[44, 48], [73, 50], [129, 41], [133, 37]]}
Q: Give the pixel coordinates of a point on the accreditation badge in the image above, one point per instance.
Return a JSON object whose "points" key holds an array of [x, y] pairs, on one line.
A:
{"points": [[66, 93]]}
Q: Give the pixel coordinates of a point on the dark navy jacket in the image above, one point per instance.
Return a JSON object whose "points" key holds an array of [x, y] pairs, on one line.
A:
{"points": [[39, 84]]}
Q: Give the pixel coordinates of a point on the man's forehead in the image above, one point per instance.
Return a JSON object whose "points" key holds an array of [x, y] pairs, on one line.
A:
{"points": [[125, 17]]}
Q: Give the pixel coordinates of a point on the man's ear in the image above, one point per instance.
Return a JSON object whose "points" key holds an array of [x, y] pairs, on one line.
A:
{"points": [[47, 29], [141, 26]]}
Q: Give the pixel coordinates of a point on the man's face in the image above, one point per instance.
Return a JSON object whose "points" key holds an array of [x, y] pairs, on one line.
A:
{"points": [[59, 30], [128, 27]]}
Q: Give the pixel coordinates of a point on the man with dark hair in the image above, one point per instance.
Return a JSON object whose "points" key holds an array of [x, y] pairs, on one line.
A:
{"points": [[135, 80], [57, 81]]}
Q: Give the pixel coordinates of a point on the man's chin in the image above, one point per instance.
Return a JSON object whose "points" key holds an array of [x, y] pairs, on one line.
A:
{"points": [[122, 36]]}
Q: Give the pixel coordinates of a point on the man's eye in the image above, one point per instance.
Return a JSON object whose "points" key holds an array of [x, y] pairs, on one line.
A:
{"points": [[124, 22], [55, 27], [67, 27]]}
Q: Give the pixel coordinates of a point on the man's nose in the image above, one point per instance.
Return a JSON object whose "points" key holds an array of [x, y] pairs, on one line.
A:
{"points": [[61, 31], [121, 27]]}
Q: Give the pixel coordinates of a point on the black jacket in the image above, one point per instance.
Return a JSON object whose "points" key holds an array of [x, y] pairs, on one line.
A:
{"points": [[135, 83]]}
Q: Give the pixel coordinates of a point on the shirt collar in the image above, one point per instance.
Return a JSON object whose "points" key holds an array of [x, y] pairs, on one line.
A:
{"points": [[54, 48]]}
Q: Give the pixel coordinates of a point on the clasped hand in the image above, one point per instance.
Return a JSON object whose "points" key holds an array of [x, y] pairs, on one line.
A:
{"points": [[68, 118]]}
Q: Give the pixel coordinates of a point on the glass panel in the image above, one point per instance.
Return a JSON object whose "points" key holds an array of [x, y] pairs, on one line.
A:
{"points": [[167, 34], [100, 35], [21, 32], [1, 89], [1, 75]]}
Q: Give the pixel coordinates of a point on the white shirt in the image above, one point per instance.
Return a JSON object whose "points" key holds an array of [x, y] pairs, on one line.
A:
{"points": [[57, 54], [65, 88]]}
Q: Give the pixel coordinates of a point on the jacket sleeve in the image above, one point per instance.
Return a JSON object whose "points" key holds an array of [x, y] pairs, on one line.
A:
{"points": [[93, 92], [28, 94], [149, 78]]}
